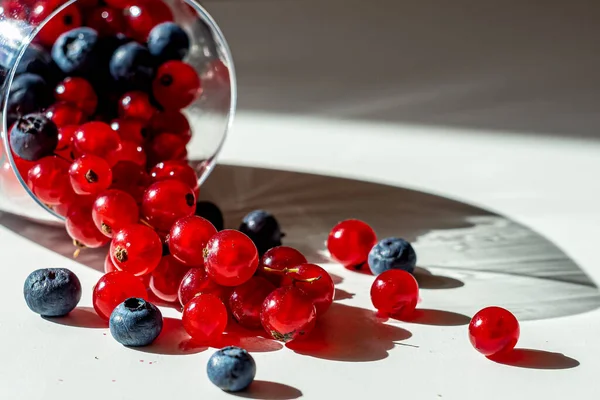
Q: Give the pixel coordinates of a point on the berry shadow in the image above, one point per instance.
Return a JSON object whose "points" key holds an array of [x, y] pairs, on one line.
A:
{"points": [[267, 390], [535, 359], [82, 317], [350, 334], [341, 294], [250, 340], [427, 280], [173, 340], [335, 278], [424, 316]]}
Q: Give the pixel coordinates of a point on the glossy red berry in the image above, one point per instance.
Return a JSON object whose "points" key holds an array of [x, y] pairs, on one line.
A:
{"points": [[136, 249], [48, 179], [129, 130], [106, 21], [395, 293], [165, 147], [90, 174], [65, 141], [64, 114], [143, 15], [247, 299], [165, 280], [288, 314], [231, 258], [167, 201], [114, 210], [350, 242], [196, 282], [95, 138], [127, 151], [108, 265], [188, 239], [204, 318], [173, 122], [176, 85], [277, 260], [80, 227], [178, 170], [67, 19], [136, 106], [131, 178], [14, 9], [77, 92], [494, 330], [113, 289], [315, 282]]}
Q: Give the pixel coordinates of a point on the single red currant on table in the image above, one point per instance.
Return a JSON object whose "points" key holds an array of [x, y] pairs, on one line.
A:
{"points": [[165, 279], [77, 92], [136, 249], [136, 106], [113, 289], [277, 260], [176, 85], [494, 331], [131, 178], [350, 242], [49, 180], [178, 170], [143, 15], [288, 314], [247, 299], [64, 114], [114, 210], [167, 201], [204, 318], [188, 239], [196, 282], [80, 226], [95, 138], [231, 258], [90, 174], [315, 282], [395, 293]]}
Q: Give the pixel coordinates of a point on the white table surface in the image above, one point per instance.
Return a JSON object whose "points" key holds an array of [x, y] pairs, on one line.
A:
{"points": [[506, 216]]}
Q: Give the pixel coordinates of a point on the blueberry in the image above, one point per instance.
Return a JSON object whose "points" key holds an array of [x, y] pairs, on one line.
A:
{"points": [[132, 65], [263, 229], [392, 253], [77, 52], [52, 292], [135, 322], [38, 61], [211, 212], [168, 41], [33, 136], [28, 93], [231, 369]]}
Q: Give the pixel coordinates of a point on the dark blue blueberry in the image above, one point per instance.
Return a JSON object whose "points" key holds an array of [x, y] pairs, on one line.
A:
{"points": [[211, 212], [392, 253], [33, 136], [168, 41], [36, 60], [135, 322], [133, 66], [28, 93], [52, 292], [231, 369], [77, 51], [263, 229]]}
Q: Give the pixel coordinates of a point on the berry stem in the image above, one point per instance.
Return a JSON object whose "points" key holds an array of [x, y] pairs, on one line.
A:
{"points": [[78, 246], [144, 222], [284, 271]]}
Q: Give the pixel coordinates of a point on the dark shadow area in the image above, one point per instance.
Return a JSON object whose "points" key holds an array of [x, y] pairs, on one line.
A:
{"points": [[336, 278], [266, 390], [82, 317], [253, 341], [426, 316], [536, 359], [173, 340], [341, 294], [350, 334], [427, 280]]}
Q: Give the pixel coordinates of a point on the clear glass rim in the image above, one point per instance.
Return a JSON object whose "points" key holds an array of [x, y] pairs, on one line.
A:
{"points": [[209, 165]]}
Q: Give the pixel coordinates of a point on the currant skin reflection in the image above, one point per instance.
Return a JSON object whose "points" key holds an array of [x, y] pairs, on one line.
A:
{"points": [[188, 238], [288, 314], [231, 258], [395, 293], [494, 331], [204, 318], [350, 242]]}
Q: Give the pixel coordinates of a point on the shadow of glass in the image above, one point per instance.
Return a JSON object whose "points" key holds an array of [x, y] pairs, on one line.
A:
{"points": [[427, 280], [424, 316], [82, 317], [269, 391], [173, 340], [536, 359]]}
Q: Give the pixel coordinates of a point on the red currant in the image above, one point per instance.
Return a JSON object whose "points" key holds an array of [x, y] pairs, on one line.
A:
{"points": [[165, 147], [173, 122], [195, 282], [13, 9], [77, 92], [96, 138], [143, 15], [109, 266], [178, 170], [315, 282], [137, 106], [165, 280], [90, 174], [288, 314], [350, 242], [49, 180], [395, 293], [117, 3], [204, 318], [113, 289], [167, 201], [279, 258], [127, 151], [136, 249], [247, 299], [131, 178], [114, 210], [65, 140], [67, 19], [63, 114], [188, 239], [129, 130], [231, 258], [176, 85], [106, 21], [493, 331], [80, 226]]}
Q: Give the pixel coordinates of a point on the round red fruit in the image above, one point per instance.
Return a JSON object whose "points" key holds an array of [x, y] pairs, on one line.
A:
{"points": [[129, 130], [48, 179], [143, 15], [136, 249], [189, 237], [67, 19], [131, 178], [167, 201], [494, 331], [350, 242], [178, 170], [165, 147], [127, 151], [176, 85], [288, 314], [173, 122], [113, 289], [95, 138], [114, 210], [166, 278], [106, 21], [136, 106], [205, 318], [196, 282], [277, 260], [395, 293], [90, 174], [315, 282], [231, 258], [64, 114], [80, 226], [77, 92], [247, 299], [108, 265]]}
